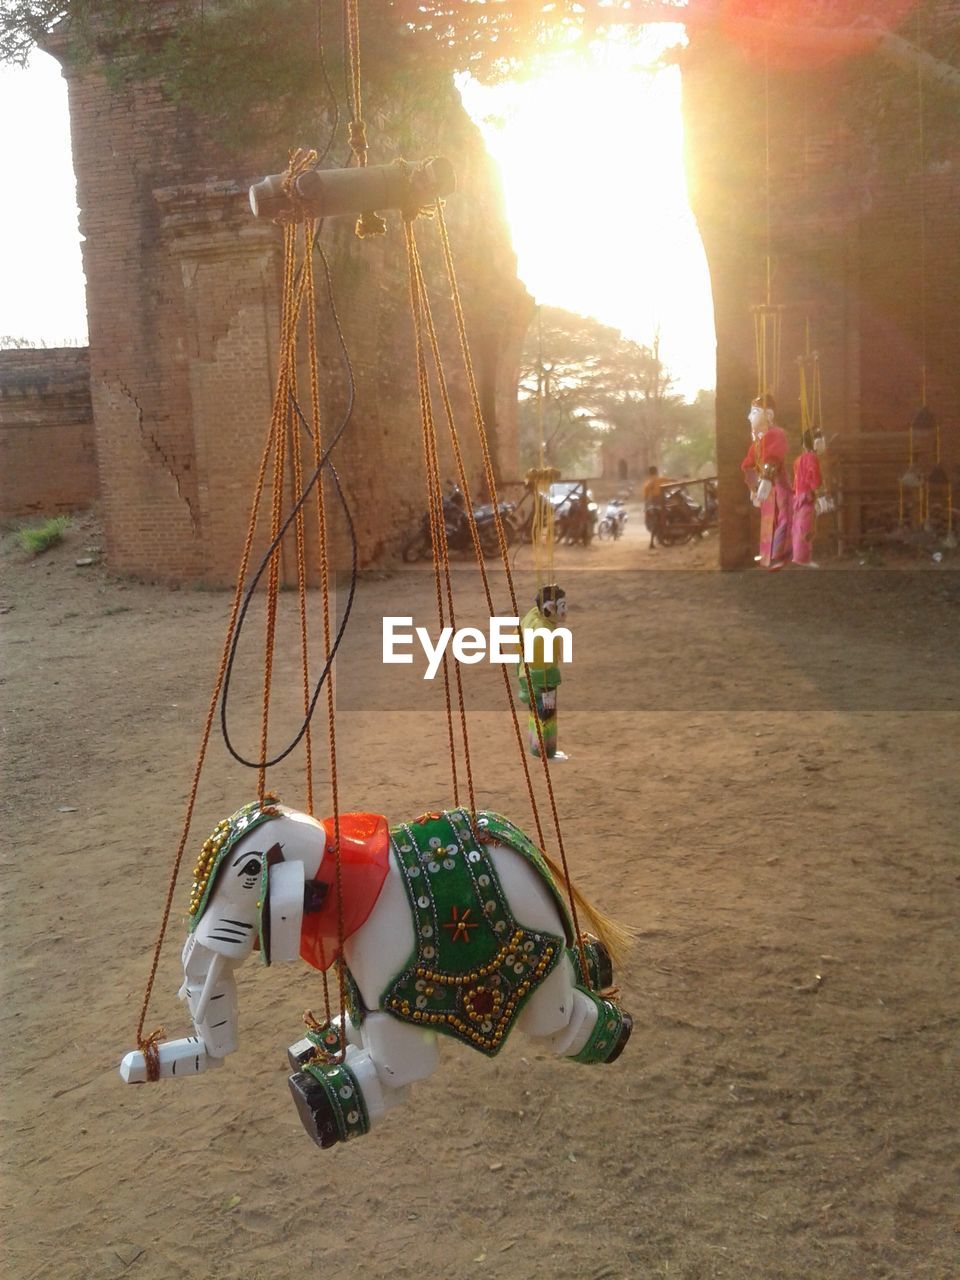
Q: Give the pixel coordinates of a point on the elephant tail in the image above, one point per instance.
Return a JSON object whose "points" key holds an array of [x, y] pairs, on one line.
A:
{"points": [[616, 937]]}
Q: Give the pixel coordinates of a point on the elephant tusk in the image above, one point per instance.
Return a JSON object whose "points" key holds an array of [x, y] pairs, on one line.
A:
{"points": [[213, 974]]}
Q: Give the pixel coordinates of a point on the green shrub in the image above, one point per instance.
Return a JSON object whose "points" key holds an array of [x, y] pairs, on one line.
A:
{"points": [[41, 537]]}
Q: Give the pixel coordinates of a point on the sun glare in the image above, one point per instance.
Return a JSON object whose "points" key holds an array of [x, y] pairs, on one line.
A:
{"points": [[590, 156]]}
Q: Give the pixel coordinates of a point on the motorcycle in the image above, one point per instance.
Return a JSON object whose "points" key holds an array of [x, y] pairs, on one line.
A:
{"points": [[575, 515], [457, 528], [681, 518], [614, 520]]}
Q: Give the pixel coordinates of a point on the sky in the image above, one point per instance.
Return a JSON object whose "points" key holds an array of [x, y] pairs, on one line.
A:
{"points": [[41, 281], [591, 165]]}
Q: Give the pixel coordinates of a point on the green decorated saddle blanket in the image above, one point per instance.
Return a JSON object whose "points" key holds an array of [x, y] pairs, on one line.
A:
{"points": [[474, 966]]}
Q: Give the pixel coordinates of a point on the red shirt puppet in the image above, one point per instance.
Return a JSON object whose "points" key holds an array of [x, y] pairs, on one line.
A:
{"points": [[770, 449]]}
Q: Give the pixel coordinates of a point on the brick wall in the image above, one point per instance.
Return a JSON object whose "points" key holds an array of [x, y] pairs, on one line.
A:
{"points": [[182, 288], [48, 460], [847, 186]]}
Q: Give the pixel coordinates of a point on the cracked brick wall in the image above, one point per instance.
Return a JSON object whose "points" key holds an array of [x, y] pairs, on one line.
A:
{"points": [[48, 462], [183, 303]]}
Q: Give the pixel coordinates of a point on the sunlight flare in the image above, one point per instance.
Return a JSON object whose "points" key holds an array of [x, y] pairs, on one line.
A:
{"points": [[591, 159]]}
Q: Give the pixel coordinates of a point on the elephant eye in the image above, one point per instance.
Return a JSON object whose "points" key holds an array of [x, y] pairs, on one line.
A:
{"points": [[250, 868]]}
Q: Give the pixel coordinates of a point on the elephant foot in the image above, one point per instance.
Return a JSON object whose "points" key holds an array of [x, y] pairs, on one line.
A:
{"points": [[599, 963], [624, 1036], [314, 1108], [610, 1033], [329, 1102]]}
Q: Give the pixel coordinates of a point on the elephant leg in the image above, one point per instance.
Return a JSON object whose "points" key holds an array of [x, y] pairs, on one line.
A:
{"points": [[572, 1022], [559, 1013], [550, 1009], [401, 1052], [340, 1101]]}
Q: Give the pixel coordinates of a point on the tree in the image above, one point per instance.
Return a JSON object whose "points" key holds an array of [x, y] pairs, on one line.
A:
{"points": [[500, 38], [503, 37], [230, 58], [695, 444], [596, 386], [639, 407], [249, 68], [26, 23], [564, 363]]}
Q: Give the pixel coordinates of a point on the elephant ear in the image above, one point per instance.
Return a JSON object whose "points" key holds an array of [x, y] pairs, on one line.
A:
{"points": [[218, 845], [271, 858]]}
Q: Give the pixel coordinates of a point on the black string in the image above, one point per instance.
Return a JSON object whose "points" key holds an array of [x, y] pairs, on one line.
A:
{"points": [[315, 478], [354, 569]]}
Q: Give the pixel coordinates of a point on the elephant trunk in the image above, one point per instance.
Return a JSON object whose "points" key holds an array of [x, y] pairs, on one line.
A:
{"points": [[210, 991]]}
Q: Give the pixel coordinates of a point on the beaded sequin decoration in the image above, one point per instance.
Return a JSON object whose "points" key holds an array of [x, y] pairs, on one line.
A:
{"points": [[216, 847], [475, 966]]}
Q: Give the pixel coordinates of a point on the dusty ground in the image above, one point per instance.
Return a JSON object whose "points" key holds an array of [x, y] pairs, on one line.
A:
{"points": [[763, 782]]}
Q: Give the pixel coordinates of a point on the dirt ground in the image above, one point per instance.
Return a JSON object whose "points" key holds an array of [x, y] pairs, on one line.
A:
{"points": [[762, 782]]}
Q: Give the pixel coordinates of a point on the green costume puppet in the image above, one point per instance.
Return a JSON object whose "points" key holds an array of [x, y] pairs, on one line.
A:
{"points": [[547, 614]]}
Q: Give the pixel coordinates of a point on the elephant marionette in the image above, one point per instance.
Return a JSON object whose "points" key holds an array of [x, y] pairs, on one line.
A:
{"points": [[448, 924]]}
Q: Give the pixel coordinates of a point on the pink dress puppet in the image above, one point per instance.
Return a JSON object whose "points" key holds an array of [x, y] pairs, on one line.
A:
{"points": [[764, 469], [807, 479]]}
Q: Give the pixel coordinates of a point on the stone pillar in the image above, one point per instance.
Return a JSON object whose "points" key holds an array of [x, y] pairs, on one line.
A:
{"points": [[123, 141], [724, 151]]}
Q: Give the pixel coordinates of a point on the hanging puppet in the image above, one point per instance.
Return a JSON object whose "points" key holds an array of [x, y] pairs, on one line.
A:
{"points": [[912, 485], [937, 486], [764, 469], [548, 612], [442, 926], [807, 479]]}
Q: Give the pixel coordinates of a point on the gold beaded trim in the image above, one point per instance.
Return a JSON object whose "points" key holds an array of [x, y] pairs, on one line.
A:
{"points": [[456, 979], [223, 835], [492, 1040]]}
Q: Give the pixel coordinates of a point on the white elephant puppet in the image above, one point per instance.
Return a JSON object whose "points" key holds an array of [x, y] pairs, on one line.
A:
{"points": [[448, 927]]}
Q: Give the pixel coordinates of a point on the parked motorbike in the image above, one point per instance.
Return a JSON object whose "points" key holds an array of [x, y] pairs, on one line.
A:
{"points": [[457, 528], [575, 514], [681, 518], [614, 520]]}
